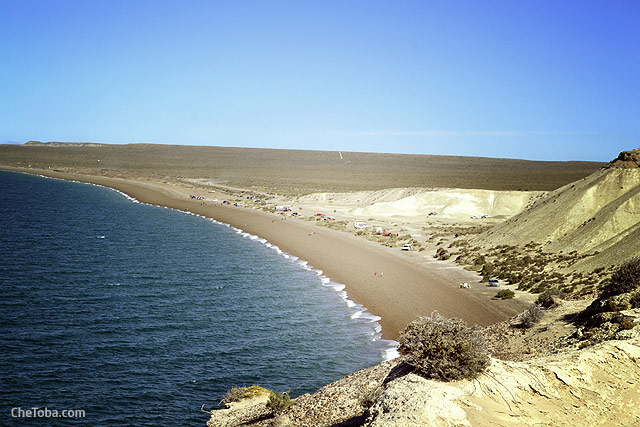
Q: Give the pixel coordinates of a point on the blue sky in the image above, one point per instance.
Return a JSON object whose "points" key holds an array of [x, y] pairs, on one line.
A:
{"points": [[536, 80]]}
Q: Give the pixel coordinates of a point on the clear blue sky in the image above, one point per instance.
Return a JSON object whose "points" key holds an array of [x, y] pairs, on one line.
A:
{"points": [[556, 80]]}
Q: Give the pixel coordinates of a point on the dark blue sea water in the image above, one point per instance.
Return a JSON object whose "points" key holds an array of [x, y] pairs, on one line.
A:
{"points": [[138, 314]]}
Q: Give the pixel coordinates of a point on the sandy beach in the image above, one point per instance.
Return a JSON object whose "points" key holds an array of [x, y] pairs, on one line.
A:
{"points": [[408, 288]]}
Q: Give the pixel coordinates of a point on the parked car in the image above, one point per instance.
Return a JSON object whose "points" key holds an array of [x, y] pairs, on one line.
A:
{"points": [[494, 283], [407, 247]]}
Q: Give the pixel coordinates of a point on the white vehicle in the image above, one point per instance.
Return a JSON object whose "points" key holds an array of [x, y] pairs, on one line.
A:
{"points": [[360, 224], [407, 247]]}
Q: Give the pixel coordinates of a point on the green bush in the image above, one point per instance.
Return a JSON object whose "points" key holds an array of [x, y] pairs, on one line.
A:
{"points": [[505, 294], [279, 402], [625, 278], [444, 349]]}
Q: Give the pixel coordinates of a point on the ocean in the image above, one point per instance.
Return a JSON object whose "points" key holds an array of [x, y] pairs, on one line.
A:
{"points": [[138, 314]]}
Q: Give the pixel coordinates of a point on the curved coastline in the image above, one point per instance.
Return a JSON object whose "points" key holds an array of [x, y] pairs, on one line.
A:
{"points": [[386, 347], [407, 290]]}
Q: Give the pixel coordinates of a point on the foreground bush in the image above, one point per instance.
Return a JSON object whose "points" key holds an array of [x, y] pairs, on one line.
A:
{"points": [[444, 349], [626, 278]]}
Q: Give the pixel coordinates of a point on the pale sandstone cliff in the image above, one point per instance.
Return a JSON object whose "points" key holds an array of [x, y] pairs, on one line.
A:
{"points": [[597, 385]]}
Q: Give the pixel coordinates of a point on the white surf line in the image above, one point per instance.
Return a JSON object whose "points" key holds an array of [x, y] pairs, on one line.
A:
{"points": [[389, 349]]}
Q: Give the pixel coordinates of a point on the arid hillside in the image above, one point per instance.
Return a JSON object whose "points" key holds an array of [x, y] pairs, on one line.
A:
{"points": [[297, 171], [597, 214]]}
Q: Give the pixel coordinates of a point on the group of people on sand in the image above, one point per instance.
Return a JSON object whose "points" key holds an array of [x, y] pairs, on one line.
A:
{"points": [[464, 286], [376, 274], [191, 196]]}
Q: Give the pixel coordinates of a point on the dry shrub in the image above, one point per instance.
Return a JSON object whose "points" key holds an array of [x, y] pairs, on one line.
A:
{"points": [[234, 395], [547, 299], [444, 349], [237, 394], [635, 300], [531, 316], [505, 294], [626, 278], [368, 397], [442, 254]]}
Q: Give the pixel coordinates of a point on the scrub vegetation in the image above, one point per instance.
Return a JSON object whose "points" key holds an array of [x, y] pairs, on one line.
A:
{"points": [[444, 349], [297, 171]]}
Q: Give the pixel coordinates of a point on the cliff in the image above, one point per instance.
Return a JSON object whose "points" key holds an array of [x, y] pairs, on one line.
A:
{"points": [[559, 385]]}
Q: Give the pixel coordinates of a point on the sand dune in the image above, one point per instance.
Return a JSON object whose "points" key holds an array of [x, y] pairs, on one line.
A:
{"points": [[452, 203]]}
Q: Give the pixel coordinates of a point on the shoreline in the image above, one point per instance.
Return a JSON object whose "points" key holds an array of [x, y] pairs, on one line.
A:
{"points": [[408, 289]]}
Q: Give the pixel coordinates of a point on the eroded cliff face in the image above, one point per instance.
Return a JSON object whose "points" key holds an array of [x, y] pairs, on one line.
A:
{"points": [[593, 386], [599, 214], [597, 385]]}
